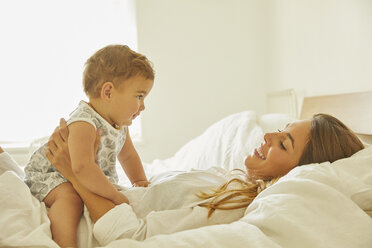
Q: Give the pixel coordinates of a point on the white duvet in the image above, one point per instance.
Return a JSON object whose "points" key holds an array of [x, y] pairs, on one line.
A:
{"points": [[313, 206]]}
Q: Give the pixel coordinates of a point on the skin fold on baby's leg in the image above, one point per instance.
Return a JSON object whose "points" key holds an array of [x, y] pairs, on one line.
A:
{"points": [[65, 211]]}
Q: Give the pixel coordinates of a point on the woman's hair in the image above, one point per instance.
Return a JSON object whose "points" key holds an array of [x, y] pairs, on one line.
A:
{"points": [[114, 63], [237, 193], [329, 140]]}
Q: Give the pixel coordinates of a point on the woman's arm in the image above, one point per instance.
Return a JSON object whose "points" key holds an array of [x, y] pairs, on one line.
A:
{"points": [[58, 155]]}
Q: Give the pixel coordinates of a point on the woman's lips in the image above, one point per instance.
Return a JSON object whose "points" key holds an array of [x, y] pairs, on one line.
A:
{"points": [[259, 153]]}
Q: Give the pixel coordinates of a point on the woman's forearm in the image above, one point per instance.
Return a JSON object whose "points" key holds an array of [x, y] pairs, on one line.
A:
{"points": [[93, 179], [97, 205], [58, 154]]}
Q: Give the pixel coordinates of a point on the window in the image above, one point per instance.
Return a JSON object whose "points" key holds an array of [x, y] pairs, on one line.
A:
{"points": [[44, 45]]}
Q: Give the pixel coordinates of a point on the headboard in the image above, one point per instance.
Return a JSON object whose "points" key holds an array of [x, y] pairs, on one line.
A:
{"points": [[354, 109]]}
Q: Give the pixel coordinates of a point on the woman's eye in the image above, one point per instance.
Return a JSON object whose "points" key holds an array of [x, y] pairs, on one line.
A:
{"points": [[282, 146], [140, 97]]}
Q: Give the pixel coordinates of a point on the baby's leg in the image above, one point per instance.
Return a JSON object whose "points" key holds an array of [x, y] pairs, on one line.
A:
{"points": [[65, 210]]}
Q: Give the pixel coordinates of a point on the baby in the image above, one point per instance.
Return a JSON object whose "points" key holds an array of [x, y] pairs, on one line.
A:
{"points": [[116, 81]]}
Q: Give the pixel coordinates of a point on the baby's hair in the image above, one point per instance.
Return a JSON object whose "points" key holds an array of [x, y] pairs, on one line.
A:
{"points": [[114, 63]]}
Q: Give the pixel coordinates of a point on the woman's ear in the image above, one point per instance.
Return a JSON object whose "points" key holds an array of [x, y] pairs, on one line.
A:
{"points": [[106, 91]]}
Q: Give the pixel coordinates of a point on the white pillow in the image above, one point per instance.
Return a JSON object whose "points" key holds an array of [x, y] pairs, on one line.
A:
{"points": [[274, 121], [225, 143], [7, 163], [351, 176]]}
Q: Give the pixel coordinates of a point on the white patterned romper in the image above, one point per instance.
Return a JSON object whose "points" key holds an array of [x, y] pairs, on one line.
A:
{"points": [[42, 177]]}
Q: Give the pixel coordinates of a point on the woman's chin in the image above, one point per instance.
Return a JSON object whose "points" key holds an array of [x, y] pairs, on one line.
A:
{"points": [[252, 163]]}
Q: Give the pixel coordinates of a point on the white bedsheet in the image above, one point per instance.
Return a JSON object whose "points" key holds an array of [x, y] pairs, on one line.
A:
{"points": [[24, 221], [313, 206]]}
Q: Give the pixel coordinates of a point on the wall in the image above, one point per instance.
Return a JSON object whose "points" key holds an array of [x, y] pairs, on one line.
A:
{"points": [[209, 58], [320, 47], [216, 57], [44, 45]]}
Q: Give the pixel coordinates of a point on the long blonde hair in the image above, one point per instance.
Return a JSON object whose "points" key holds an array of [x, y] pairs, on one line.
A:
{"points": [[329, 140], [237, 192]]}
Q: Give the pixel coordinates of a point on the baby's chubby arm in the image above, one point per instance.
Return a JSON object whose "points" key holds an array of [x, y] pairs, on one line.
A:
{"points": [[131, 163], [81, 140]]}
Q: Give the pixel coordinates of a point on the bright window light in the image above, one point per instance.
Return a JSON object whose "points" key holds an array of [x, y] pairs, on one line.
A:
{"points": [[44, 45]]}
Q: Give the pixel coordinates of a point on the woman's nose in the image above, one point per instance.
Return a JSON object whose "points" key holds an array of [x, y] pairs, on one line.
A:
{"points": [[268, 137]]}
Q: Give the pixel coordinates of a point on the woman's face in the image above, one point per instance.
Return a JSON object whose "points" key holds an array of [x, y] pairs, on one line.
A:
{"points": [[280, 152]]}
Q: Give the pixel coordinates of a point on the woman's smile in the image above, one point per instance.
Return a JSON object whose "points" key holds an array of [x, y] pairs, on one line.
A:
{"points": [[259, 153], [279, 154]]}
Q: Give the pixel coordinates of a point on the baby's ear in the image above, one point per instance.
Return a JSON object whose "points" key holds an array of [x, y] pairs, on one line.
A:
{"points": [[106, 91]]}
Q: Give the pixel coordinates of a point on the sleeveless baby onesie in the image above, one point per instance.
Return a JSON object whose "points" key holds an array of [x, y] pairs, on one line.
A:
{"points": [[42, 177]]}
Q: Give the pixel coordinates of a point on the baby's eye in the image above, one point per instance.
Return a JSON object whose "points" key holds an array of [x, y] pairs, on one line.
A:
{"points": [[279, 131]]}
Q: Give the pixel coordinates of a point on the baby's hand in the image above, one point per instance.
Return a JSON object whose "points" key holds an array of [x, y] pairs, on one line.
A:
{"points": [[143, 183], [119, 198]]}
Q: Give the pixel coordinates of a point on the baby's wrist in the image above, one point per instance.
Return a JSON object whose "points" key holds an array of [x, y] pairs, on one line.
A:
{"points": [[140, 183]]}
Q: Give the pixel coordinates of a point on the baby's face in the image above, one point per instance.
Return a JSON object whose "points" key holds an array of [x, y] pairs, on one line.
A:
{"points": [[280, 152], [128, 100]]}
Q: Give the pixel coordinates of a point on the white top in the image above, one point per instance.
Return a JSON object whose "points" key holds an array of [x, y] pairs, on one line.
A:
{"points": [[169, 205]]}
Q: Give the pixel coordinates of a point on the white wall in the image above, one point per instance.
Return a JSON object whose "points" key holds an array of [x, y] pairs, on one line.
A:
{"points": [[209, 59], [216, 57], [320, 47], [44, 45]]}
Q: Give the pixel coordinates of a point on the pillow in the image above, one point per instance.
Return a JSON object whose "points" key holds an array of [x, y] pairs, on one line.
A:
{"points": [[350, 176], [274, 121], [7, 163], [224, 144], [325, 201]]}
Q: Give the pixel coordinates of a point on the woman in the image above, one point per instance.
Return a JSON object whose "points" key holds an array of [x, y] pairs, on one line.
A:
{"points": [[322, 138]]}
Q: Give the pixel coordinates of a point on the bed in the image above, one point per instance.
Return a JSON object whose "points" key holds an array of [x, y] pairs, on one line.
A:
{"points": [[317, 205]]}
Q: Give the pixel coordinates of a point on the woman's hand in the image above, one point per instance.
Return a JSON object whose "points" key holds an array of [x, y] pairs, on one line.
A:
{"points": [[120, 198], [58, 153]]}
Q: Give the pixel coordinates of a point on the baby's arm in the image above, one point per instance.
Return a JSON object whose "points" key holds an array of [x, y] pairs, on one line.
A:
{"points": [[81, 141], [131, 163]]}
